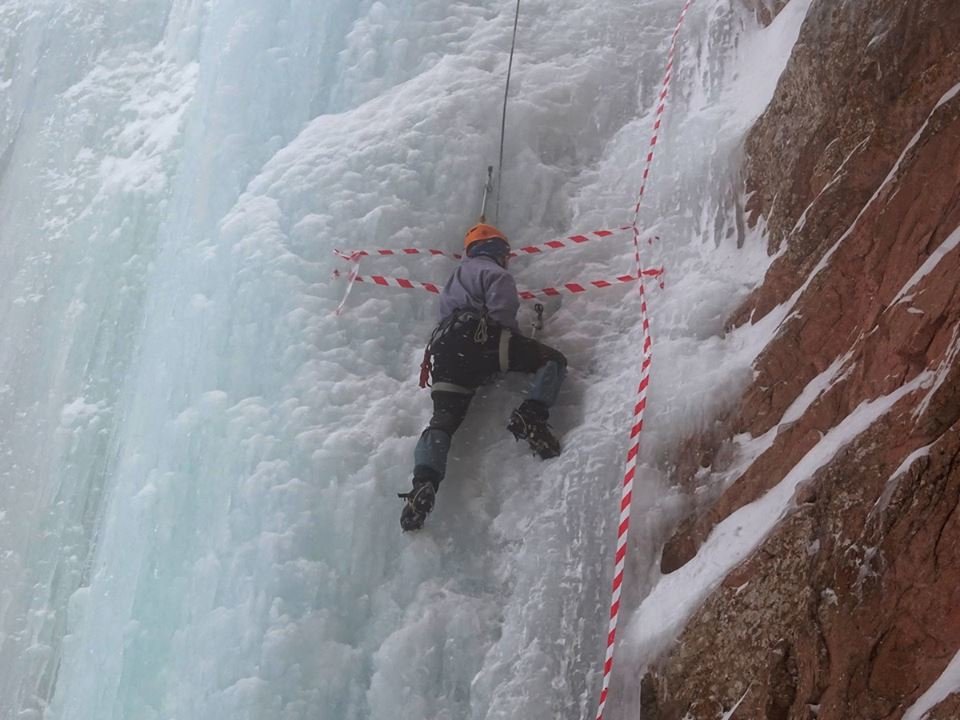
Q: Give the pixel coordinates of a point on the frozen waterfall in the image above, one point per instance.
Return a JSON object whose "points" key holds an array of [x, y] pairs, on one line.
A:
{"points": [[199, 462]]}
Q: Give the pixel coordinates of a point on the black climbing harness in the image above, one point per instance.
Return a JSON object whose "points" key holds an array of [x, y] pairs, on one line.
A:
{"points": [[452, 323]]}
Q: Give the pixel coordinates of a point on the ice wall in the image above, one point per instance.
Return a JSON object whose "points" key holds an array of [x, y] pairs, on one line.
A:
{"points": [[199, 461], [128, 130]]}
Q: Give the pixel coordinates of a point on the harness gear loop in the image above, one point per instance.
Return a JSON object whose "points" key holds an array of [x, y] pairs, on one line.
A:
{"points": [[480, 335], [426, 367]]}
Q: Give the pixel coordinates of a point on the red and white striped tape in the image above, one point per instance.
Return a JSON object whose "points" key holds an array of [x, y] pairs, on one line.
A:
{"points": [[626, 498], [626, 495], [576, 288], [357, 254], [387, 281], [569, 241], [572, 288], [351, 279]]}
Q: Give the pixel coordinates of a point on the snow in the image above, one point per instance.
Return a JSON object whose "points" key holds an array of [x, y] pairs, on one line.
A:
{"points": [[748, 448], [946, 684], [729, 714], [677, 595], [891, 486], [816, 388], [784, 311], [838, 175], [941, 373], [945, 98], [199, 461], [952, 241], [755, 83]]}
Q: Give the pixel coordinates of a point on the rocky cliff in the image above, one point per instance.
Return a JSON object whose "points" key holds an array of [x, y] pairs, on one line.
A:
{"points": [[850, 608]]}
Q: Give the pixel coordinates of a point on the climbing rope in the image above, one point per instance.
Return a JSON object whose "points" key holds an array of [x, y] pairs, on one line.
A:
{"points": [[630, 471], [503, 118]]}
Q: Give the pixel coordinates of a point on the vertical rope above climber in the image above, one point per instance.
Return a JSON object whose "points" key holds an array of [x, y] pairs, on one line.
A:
{"points": [[503, 118]]}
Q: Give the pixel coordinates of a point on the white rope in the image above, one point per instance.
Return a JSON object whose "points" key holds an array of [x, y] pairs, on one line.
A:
{"points": [[503, 119]]}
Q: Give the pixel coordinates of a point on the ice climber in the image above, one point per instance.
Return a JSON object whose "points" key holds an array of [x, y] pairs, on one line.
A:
{"points": [[478, 337]]}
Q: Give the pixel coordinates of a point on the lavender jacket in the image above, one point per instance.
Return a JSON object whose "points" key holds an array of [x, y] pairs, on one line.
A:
{"points": [[480, 280]]}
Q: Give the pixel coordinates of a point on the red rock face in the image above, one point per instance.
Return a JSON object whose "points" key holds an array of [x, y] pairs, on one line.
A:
{"points": [[850, 610]]}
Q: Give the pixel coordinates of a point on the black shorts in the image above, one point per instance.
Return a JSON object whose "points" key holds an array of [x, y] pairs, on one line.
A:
{"points": [[466, 357]]}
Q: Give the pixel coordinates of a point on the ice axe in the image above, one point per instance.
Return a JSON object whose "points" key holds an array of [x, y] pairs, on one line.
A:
{"points": [[537, 320], [487, 189]]}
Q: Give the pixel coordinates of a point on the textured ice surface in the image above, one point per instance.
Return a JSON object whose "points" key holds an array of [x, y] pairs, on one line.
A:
{"points": [[199, 461]]}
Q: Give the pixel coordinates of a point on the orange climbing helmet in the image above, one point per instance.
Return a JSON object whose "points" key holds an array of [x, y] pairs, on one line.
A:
{"points": [[482, 231]]}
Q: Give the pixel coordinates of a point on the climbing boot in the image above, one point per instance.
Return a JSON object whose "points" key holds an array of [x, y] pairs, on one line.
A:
{"points": [[417, 503], [529, 422]]}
